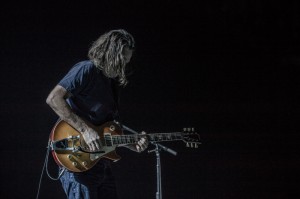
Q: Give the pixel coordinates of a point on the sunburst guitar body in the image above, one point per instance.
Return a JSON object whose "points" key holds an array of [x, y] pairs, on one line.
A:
{"points": [[70, 151]]}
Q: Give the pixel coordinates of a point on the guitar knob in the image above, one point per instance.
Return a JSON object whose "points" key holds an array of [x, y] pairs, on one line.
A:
{"points": [[74, 164], [84, 163], [112, 128], [192, 129], [184, 129], [69, 156]]}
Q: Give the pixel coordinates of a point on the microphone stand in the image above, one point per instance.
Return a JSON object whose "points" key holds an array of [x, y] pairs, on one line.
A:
{"points": [[158, 148]]}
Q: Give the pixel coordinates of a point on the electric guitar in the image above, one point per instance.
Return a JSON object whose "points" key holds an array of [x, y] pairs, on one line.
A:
{"points": [[69, 149]]}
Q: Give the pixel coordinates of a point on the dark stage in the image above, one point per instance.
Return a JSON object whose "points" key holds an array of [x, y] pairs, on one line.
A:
{"points": [[226, 69]]}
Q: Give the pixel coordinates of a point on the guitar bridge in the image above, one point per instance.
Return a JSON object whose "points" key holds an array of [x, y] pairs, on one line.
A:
{"points": [[95, 156]]}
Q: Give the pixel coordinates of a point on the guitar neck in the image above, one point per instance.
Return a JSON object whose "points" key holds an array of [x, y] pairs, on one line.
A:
{"points": [[131, 139]]}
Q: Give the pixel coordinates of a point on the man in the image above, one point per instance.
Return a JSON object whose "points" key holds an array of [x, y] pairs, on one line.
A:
{"points": [[89, 92]]}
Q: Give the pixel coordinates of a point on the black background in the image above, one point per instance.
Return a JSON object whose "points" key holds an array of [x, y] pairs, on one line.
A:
{"points": [[228, 69]]}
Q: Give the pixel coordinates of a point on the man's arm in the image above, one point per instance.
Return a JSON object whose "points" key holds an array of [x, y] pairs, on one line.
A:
{"points": [[57, 101]]}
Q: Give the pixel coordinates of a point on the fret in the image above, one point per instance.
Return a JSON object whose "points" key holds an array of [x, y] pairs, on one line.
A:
{"points": [[156, 137], [108, 140], [115, 140], [133, 139], [169, 137], [165, 136], [124, 139], [151, 136]]}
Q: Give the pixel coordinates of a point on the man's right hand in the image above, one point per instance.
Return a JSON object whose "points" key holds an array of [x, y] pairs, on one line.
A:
{"points": [[92, 139]]}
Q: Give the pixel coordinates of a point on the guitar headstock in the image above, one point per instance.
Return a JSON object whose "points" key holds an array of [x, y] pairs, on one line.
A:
{"points": [[190, 137]]}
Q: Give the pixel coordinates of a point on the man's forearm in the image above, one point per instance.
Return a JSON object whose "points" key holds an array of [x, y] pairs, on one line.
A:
{"points": [[57, 102], [65, 113]]}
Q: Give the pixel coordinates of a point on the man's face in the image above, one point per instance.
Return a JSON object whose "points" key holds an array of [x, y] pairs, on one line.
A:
{"points": [[127, 53]]}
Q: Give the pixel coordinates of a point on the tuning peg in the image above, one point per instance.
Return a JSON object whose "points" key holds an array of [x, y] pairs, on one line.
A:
{"points": [[189, 129], [187, 144], [196, 145], [184, 129], [192, 129]]}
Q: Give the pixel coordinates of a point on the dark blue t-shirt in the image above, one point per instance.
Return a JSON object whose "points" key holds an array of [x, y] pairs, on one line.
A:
{"points": [[94, 96]]}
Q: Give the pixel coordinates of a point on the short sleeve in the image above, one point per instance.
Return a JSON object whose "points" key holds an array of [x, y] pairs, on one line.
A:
{"points": [[78, 77]]}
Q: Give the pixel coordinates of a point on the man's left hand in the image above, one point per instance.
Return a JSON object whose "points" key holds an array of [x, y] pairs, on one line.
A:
{"points": [[142, 144]]}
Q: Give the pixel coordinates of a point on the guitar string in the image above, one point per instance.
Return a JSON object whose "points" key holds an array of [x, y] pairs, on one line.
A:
{"points": [[124, 139]]}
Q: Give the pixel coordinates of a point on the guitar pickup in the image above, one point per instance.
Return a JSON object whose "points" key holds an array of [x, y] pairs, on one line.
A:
{"points": [[73, 137]]}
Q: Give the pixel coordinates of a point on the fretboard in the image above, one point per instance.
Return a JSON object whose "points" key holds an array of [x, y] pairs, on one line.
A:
{"points": [[130, 139]]}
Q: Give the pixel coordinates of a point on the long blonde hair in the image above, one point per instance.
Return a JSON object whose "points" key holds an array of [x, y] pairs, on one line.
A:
{"points": [[106, 53]]}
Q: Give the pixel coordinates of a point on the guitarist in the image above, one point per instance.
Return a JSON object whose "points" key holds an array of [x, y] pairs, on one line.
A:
{"points": [[89, 92]]}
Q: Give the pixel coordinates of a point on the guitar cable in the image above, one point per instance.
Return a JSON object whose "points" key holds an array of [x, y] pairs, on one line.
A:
{"points": [[45, 166]]}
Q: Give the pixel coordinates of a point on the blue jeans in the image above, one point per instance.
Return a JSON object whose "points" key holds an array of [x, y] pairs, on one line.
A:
{"points": [[96, 183]]}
